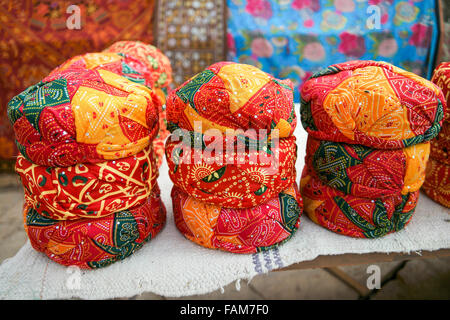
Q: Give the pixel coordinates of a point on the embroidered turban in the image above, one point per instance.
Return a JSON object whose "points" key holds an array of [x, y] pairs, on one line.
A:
{"points": [[437, 181], [89, 190], [94, 243], [225, 162], [360, 191], [77, 115], [160, 78], [238, 230], [369, 125]]}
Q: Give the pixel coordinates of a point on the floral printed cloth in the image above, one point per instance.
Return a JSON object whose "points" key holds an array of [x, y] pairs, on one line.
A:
{"points": [[78, 115], [437, 181], [369, 125], [295, 38], [240, 203]]}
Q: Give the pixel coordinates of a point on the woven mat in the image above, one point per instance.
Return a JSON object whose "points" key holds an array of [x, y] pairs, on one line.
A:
{"points": [[172, 266]]}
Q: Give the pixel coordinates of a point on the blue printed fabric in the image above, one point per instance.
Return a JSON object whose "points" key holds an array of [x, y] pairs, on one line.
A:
{"points": [[294, 38]]}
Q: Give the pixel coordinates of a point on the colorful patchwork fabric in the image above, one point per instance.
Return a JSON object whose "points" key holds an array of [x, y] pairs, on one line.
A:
{"points": [[369, 126], [437, 181], [225, 159], [360, 191], [159, 70], [94, 243], [366, 172], [354, 216], [77, 115], [246, 230], [134, 70], [160, 139], [88, 190], [231, 96], [371, 103]]}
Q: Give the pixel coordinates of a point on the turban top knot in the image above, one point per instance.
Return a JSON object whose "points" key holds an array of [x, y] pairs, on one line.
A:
{"points": [[369, 124], [158, 75], [239, 200]]}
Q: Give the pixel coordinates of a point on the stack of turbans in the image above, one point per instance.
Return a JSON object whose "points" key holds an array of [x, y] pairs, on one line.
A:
{"points": [[226, 197], [86, 160], [437, 180], [369, 125]]}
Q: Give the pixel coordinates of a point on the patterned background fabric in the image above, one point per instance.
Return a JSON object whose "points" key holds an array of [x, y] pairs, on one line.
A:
{"points": [[295, 38], [34, 39], [362, 177], [258, 198], [232, 96]]}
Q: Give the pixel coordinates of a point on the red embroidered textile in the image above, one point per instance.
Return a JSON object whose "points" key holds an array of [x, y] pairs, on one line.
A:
{"points": [[35, 38]]}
